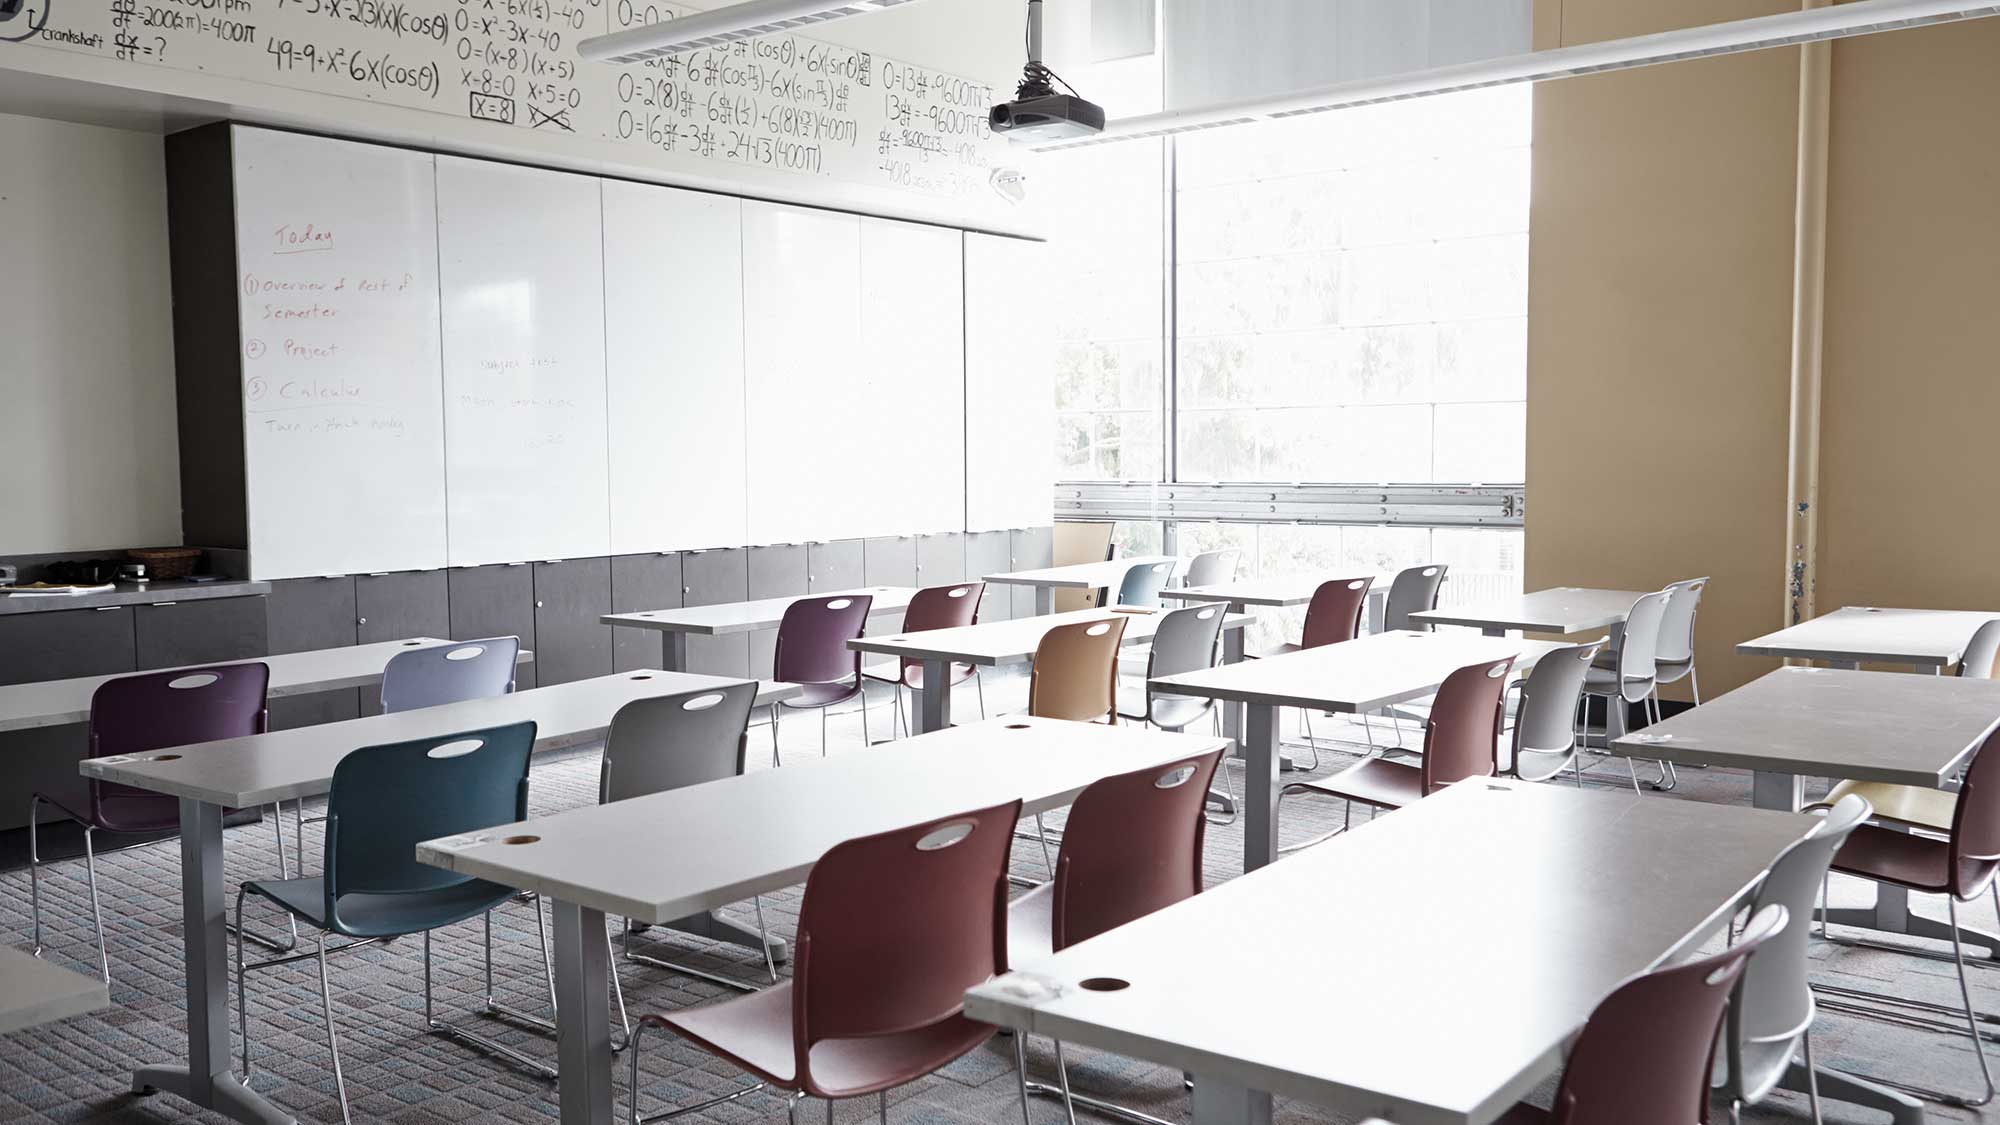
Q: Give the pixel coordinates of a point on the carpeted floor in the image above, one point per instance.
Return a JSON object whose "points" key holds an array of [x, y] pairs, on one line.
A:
{"points": [[78, 1071]]}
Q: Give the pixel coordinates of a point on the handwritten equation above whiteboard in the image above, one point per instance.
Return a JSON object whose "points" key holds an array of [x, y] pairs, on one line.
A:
{"points": [[782, 104]]}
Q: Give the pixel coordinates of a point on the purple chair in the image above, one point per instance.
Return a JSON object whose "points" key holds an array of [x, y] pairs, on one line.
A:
{"points": [[937, 607], [813, 653], [136, 715]]}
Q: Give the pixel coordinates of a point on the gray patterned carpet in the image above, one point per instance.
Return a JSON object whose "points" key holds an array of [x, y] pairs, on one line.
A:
{"points": [[78, 1071]]}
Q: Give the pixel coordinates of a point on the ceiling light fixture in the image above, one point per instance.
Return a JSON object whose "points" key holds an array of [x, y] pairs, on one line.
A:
{"points": [[723, 25]]}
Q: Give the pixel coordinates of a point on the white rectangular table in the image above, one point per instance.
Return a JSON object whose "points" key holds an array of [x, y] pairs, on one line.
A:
{"points": [[690, 850], [1561, 609], [50, 703], [1284, 592], [1354, 677], [724, 618], [1077, 576], [34, 992], [285, 765], [1933, 639], [1459, 934], [996, 643]]}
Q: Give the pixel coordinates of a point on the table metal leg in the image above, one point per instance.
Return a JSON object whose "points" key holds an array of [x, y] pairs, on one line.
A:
{"points": [[1840, 1086], [1221, 1102], [934, 697], [1260, 786], [206, 1080], [674, 651], [1232, 713], [1785, 792], [583, 1026], [1045, 600], [1490, 631], [715, 927]]}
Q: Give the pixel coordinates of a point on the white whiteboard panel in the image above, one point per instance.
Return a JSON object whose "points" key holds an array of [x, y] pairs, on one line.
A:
{"points": [[673, 344], [344, 435], [810, 430], [1009, 388], [522, 278], [913, 377]]}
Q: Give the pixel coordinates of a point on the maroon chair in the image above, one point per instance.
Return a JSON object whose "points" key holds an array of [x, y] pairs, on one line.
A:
{"points": [[813, 653], [937, 607], [1961, 867], [1333, 616], [136, 715], [1132, 845], [893, 929], [1644, 1057], [1461, 740]]}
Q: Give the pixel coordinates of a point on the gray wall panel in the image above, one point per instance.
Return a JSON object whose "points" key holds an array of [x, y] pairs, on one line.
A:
{"points": [[710, 578], [570, 643], [835, 566], [941, 558], [55, 645], [496, 601], [640, 583], [304, 615], [991, 552], [1034, 548], [774, 572], [391, 607], [889, 561], [200, 632]]}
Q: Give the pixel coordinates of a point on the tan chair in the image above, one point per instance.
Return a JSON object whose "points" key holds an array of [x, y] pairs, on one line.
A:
{"points": [[1076, 543], [1076, 672]]}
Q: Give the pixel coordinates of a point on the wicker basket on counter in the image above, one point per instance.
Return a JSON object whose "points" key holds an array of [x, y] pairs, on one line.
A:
{"points": [[167, 562]]}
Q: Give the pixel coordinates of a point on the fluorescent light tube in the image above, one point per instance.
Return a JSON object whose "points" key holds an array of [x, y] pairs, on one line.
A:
{"points": [[723, 25], [1863, 17]]}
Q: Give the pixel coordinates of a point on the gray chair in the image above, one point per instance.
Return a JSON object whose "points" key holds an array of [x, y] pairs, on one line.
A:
{"points": [[1414, 590], [670, 742], [1188, 640], [1211, 568], [1632, 680], [1545, 738], [1143, 582], [1771, 1013], [1674, 660], [440, 674]]}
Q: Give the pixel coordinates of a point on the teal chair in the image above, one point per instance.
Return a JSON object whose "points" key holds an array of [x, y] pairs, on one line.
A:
{"points": [[385, 800]]}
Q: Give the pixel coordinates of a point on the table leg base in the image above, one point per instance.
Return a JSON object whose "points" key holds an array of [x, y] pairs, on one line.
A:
{"points": [[1916, 925], [226, 1096], [715, 927], [1220, 1102], [1840, 1086]]}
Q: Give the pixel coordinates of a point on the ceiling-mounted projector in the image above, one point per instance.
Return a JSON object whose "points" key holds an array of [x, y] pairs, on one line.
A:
{"points": [[1038, 114]]}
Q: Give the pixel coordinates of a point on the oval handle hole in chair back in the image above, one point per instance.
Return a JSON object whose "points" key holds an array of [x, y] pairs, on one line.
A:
{"points": [[958, 592], [1205, 614], [1430, 572], [702, 702], [1099, 629], [840, 603], [1158, 567], [465, 652], [1174, 778], [941, 838], [197, 680], [1587, 654], [1496, 671], [458, 748], [1356, 584]]}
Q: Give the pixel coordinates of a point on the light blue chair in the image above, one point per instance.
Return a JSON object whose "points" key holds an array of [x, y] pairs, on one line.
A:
{"points": [[440, 674], [1143, 582], [384, 801]]}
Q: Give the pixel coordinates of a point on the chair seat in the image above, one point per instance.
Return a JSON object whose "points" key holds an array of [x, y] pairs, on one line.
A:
{"points": [[913, 677], [755, 1032], [1901, 858], [1280, 650], [1929, 809], [822, 695], [1031, 925], [1173, 712], [1374, 781], [369, 915], [1600, 680]]}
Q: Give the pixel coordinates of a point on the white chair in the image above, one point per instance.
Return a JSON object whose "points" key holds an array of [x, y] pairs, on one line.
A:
{"points": [[1632, 680], [1186, 641], [1545, 738], [1674, 660], [1211, 568], [1414, 590]]}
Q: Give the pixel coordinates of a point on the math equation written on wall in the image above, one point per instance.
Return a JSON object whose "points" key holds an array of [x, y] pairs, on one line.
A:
{"points": [[780, 102]]}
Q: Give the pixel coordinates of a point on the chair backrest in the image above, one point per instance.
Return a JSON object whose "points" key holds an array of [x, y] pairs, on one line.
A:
{"points": [[1213, 567], [813, 636], [1546, 721], [895, 927], [157, 710], [1076, 671], [387, 799], [1982, 652], [1638, 651], [440, 674], [1975, 822], [1774, 1001], [1132, 845], [1081, 542], [1675, 644], [1186, 640], [1644, 1056], [1143, 583], [1413, 591], [940, 607], [1462, 735], [1334, 614], [674, 741]]}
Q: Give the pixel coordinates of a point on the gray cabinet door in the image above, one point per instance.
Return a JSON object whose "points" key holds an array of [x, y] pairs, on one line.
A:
{"points": [[495, 601], [305, 615], [1034, 548], [711, 578], [889, 561], [834, 566], [570, 642], [991, 552], [780, 571], [640, 583], [941, 558], [201, 632], [55, 645], [391, 607]]}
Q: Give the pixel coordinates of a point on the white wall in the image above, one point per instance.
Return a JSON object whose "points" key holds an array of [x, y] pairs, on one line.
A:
{"points": [[88, 451]]}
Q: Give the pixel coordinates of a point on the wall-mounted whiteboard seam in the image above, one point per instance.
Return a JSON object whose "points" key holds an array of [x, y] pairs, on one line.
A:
{"points": [[1009, 389], [913, 377]]}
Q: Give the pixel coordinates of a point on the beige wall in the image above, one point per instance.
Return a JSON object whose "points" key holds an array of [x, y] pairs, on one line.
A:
{"points": [[1659, 323]]}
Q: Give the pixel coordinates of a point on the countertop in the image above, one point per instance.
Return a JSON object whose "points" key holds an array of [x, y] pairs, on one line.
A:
{"points": [[137, 593]]}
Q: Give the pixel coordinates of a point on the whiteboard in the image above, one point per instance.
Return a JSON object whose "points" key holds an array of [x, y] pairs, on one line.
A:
{"points": [[336, 247], [1009, 387], [673, 346], [522, 282], [913, 377], [809, 425]]}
